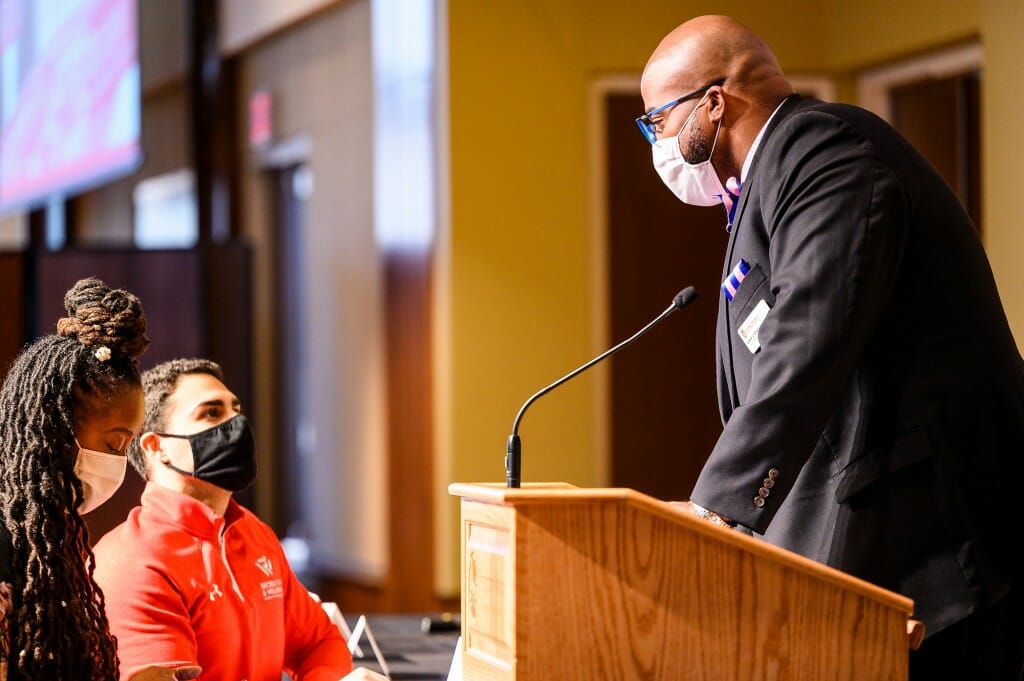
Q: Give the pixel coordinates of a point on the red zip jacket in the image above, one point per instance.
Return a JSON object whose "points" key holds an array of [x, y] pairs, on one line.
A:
{"points": [[184, 585]]}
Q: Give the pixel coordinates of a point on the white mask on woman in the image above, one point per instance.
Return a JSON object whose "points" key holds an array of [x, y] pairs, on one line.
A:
{"points": [[101, 474], [694, 183]]}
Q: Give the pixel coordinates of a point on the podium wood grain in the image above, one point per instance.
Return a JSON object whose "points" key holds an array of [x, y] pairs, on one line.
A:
{"points": [[566, 583]]}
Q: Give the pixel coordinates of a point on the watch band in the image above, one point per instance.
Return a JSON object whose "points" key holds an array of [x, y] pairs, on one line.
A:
{"points": [[711, 516]]}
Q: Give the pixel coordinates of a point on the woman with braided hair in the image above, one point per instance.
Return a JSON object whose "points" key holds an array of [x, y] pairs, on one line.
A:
{"points": [[69, 406]]}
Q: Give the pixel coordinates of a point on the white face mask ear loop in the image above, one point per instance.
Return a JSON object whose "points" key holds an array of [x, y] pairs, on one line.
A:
{"points": [[715, 143]]}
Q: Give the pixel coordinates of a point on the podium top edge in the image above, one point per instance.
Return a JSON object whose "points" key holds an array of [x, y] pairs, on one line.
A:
{"points": [[559, 492], [530, 491], [543, 492]]}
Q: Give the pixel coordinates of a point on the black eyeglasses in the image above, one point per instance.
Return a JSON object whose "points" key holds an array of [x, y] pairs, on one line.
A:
{"points": [[649, 127]]}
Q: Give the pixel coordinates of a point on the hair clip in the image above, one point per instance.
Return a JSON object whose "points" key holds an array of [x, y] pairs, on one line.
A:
{"points": [[102, 353]]}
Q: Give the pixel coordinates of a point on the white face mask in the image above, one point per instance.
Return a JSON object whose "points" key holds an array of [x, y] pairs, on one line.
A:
{"points": [[695, 184], [101, 474]]}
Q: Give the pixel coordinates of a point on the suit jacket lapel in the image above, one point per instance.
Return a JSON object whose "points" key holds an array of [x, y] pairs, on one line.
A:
{"points": [[728, 399]]}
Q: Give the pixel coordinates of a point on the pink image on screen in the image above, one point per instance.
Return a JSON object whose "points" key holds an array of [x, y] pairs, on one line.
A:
{"points": [[75, 111]]}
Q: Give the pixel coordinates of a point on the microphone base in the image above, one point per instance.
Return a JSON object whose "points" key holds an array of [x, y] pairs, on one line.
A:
{"points": [[513, 461]]}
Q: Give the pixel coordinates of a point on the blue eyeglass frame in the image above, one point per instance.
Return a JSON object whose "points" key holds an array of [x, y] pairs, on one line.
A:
{"points": [[645, 123]]}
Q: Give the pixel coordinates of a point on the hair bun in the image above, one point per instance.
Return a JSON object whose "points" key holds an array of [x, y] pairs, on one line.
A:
{"points": [[99, 316]]}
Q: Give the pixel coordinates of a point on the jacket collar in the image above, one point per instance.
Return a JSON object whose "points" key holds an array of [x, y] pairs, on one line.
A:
{"points": [[185, 512], [783, 110]]}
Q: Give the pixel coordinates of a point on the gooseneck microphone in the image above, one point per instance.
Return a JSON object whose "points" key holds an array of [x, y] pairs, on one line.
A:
{"points": [[513, 451]]}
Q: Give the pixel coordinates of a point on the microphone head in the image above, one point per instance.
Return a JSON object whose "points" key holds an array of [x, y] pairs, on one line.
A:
{"points": [[684, 297]]}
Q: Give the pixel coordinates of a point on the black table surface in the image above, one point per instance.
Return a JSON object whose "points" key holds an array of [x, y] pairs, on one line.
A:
{"points": [[409, 651]]}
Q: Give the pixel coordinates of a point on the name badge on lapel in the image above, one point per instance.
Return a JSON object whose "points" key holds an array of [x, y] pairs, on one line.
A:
{"points": [[752, 324]]}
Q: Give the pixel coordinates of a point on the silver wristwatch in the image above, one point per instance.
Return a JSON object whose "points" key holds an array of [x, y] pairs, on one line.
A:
{"points": [[710, 516]]}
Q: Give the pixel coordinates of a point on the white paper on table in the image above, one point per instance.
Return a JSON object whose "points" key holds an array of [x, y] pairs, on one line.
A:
{"points": [[361, 627], [455, 671], [334, 614]]}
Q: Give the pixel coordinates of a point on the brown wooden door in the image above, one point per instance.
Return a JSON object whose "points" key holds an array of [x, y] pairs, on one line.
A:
{"points": [[664, 410], [941, 118]]}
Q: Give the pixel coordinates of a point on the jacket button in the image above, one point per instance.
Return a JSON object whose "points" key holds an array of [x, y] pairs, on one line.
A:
{"points": [[769, 482], [773, 473], [759, 501], [763, 492]]}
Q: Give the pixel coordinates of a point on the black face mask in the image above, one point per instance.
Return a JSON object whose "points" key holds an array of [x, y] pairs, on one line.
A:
{"points": [[224, 455]]}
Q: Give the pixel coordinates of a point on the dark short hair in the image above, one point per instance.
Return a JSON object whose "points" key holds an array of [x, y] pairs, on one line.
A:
{"points": [[158, 384]]}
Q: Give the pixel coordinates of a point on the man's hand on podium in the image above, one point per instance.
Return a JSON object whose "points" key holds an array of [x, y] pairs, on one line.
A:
{"points": [[702, 513]]}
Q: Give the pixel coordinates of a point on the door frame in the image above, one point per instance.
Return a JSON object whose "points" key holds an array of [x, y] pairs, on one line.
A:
{"points": [[874, 85], [601, 88]]}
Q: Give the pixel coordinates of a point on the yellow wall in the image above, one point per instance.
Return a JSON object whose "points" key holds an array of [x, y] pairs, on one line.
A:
{"points": [[866, 32], [1002, 30], [515, 283]]}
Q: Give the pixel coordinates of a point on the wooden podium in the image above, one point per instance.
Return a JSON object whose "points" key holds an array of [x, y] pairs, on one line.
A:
{"points": [[566, 583]]}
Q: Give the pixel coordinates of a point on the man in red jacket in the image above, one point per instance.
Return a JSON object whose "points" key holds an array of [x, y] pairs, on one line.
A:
{"points": [[191, 577]]}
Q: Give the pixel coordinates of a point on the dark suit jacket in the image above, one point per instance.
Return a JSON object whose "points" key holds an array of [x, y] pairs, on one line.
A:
{"points": [[887, 393]]}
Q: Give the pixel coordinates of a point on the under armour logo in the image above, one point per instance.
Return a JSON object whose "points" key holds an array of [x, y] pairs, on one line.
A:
{"points": [[215, 593], [265, 566]]}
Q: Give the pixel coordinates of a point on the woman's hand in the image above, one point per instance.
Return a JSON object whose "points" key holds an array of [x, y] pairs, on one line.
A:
{"points": [[179, 673]]}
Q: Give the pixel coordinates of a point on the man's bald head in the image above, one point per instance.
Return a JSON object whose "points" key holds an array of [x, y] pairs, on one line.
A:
{"points": [[706, 49]]}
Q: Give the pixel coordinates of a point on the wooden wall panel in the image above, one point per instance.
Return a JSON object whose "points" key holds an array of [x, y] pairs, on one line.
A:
{"points": [[12, 330], [167, 282], [410, 470]]}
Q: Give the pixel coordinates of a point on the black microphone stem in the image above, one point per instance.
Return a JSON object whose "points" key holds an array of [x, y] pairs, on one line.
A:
{"points": [[513, 451]]}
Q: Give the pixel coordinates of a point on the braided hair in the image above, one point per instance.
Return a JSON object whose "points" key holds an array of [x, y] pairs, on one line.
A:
{"points": [[56, 623]]}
